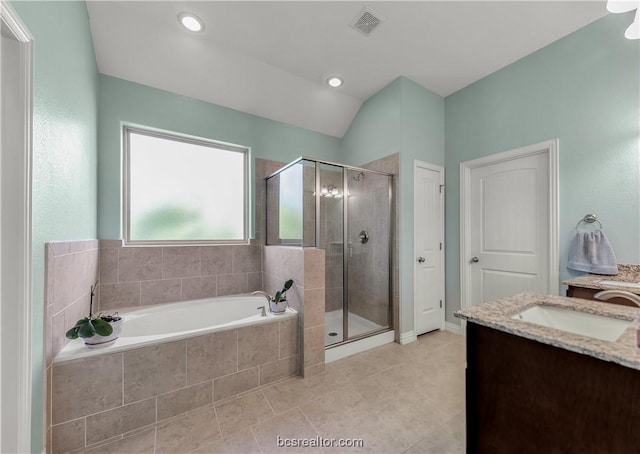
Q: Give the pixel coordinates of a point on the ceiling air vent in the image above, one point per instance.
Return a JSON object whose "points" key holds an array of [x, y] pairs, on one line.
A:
{"points": [[366, 21]]}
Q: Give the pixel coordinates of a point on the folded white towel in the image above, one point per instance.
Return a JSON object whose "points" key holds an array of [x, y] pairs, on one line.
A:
{"points": [[592, 252]]}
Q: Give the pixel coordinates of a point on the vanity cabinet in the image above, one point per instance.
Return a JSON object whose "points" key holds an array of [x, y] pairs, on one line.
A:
{"points": [[525, 396], [587, 294]]}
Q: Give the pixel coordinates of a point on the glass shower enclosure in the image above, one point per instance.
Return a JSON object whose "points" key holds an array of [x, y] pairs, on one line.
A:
{"points": [[347, 211]]}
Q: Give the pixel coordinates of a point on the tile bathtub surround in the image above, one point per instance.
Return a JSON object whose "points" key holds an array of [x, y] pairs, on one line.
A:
{"points": [[140, 276], [71, 268], [116, 395], [306, 266]]}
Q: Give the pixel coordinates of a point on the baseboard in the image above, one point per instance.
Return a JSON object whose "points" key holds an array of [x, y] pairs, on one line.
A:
{"points": [[408, 337], [453, 328]]}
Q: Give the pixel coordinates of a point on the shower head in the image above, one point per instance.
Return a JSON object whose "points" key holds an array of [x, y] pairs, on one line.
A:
{"points": [[357, 177]]}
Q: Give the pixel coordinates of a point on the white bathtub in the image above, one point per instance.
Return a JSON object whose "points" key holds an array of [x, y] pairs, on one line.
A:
{"points": [[174, 321]]}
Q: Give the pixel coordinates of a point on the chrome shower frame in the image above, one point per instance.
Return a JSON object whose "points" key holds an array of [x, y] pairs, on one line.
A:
{"points": [[345, 243]]}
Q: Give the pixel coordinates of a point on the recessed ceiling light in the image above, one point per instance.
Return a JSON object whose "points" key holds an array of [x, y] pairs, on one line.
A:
{"points": [[334, 81], [191, 22]]}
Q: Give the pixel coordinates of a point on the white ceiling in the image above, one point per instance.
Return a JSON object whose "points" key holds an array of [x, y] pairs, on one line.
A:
{"points": [[271, 58]]}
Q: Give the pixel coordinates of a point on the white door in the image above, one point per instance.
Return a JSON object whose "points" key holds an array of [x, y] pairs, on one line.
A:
{"points": [[509, 226], [428, 244]]}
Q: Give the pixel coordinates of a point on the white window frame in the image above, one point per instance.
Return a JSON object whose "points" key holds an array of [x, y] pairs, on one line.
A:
{"points": [[177, 137]]}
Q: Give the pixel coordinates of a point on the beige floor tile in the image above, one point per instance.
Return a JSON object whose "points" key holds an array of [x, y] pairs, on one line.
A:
{"points": [[288, 394], [452, 353], [382, 428], [331, 412], [243, 412], [436, 339], [273, 435], [241, 442], [438, 442], [353, 370], [456, 425], [188, 433], [392, 354]]}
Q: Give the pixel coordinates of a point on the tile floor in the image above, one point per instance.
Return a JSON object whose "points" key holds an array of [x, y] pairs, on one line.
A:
{"points": [[397, 399]]}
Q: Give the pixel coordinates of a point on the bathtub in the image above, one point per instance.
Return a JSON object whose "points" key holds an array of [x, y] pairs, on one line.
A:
{"points": [[169, 360], [174, 321]]}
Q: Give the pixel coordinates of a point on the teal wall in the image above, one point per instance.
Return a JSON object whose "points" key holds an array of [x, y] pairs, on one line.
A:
{"points": [[64, 150], [121, 101], [584, 90], [403, 117], [376, 130]]}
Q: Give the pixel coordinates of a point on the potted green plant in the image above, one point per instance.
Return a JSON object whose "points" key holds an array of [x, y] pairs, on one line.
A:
{"points": [[96, 331], [278, 304]]}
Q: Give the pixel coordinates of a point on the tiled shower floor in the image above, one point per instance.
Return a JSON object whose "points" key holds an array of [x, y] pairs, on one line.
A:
{"points": [[357, 326], [397, 399]]}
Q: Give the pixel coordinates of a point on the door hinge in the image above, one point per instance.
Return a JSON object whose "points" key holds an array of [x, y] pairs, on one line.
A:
{"points": [[440, 304], [441, 188], [440, 246]]}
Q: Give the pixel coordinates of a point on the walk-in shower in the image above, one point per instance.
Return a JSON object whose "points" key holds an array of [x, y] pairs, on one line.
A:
{"points": [[347, 211]]}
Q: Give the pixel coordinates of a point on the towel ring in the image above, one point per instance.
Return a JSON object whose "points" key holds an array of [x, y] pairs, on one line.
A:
{"points": [[589, 219]]}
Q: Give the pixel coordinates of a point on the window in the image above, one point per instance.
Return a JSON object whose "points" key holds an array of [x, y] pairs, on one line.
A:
{"points": [[183, 190]]}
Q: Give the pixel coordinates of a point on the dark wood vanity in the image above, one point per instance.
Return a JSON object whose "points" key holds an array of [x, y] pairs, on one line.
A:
{"points": [[531, 388], [528, 397]]}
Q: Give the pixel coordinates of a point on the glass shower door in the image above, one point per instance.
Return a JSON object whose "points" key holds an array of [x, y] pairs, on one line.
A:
{"points": [[368, 252], [330, 238]]}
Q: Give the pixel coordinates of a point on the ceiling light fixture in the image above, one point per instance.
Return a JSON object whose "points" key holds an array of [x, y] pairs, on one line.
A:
{"points": [[624, 6], [191, 22], [334, 81]]}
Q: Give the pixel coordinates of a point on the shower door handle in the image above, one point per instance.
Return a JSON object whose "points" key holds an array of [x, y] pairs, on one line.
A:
{"points": [[421, 259]]}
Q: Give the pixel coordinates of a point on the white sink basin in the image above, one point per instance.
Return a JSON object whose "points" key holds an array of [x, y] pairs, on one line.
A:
{"points": [[621, 283], [597, 326]]}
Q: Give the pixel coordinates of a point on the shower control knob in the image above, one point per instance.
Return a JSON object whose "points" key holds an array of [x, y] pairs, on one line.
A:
{"points": [[421, 259]]}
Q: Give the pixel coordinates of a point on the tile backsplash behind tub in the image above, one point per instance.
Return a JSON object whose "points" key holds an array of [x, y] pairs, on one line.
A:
{"points": [[140, 276]]}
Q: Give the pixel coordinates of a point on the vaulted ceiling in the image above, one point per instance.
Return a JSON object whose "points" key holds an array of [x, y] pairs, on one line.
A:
{"points": [[272, 58]]}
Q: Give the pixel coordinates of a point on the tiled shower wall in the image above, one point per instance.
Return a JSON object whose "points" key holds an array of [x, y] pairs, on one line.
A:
{"points": [[391, 164], [369, 263]]}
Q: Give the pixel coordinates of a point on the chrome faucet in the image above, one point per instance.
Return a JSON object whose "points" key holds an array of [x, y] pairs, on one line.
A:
{"points": [[608, 294], [265, 294], [264, 311]]}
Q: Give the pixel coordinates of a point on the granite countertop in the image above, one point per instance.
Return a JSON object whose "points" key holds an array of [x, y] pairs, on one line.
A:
{"points": [[497, 314], [626, 273]]}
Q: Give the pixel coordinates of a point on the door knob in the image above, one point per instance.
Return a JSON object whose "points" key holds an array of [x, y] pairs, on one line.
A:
{"points": [[421, 259], [475, 260]]}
